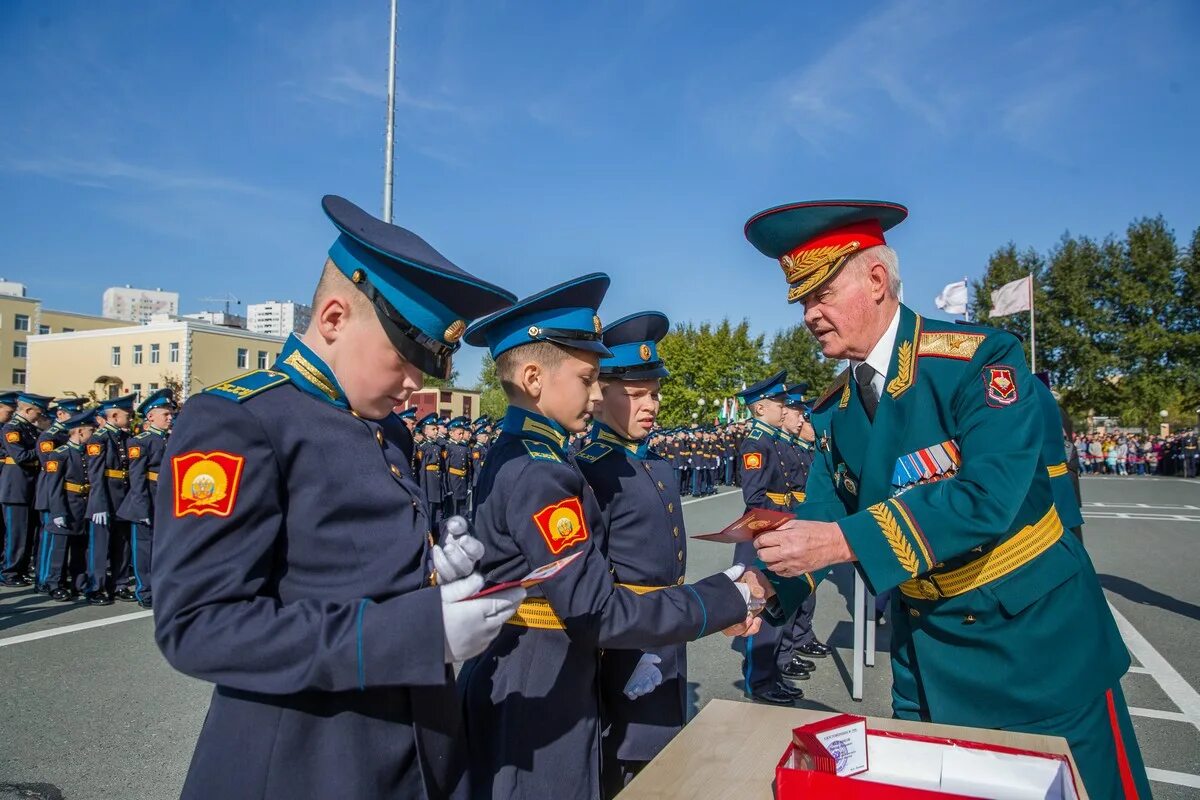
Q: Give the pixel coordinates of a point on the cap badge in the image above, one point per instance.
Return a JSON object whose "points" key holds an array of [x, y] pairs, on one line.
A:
{"points": [[644, 352], [596, 324], [534, 331], [455, 331]]}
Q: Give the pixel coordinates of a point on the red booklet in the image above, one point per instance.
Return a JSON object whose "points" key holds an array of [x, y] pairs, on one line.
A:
{"points": [[539, 575], [749, 525]]}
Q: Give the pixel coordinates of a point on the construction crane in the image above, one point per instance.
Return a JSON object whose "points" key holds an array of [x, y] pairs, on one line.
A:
{"points": [[227, 299]]}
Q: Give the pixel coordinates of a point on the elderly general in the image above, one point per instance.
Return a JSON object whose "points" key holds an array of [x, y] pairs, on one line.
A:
{"points": [[929, 477]]}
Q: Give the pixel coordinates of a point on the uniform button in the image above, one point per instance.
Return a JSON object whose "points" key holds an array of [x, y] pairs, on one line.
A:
{"points": [[675, 531], [416, 504], [661, 485], [679, 555], [356, 414], [671, 508], [379, 436], [969, 619], [679, 582], [912, 612], [395, 470]]}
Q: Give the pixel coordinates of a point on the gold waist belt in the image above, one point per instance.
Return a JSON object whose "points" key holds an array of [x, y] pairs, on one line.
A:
{"points": [[536, 612], [78, 488], [1028, 543], [432, 467], [1057, 470], [119, 474], [152, 475], [456, 471]]}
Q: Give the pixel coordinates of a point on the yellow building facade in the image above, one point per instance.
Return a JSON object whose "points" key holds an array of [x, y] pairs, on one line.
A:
{"points": [[140, 359], [24, 317]]}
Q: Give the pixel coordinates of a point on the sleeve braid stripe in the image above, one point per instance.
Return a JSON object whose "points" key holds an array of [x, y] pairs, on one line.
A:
{"points": [[895, 538]]}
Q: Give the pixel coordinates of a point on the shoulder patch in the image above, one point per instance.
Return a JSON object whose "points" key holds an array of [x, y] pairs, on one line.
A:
{"points": [[243, 387], [46, 446], [839, 383], [135, 451], [206, 483], [752, 460], [12, 437], [561, 524], [540, 450], [94, 449], [51, 466], [594, 452], [950, 344]]}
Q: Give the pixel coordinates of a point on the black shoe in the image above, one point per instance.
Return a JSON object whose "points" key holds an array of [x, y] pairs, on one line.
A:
{"points": [[778, 695], [795, 672], [814, 649], [125, 595], [99, 599], [61, 595], [146, 603], [16, 582], [808, 666]]}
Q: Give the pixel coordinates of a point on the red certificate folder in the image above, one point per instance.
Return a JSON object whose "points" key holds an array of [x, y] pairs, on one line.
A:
{"points": [[539, 575], [749, 525]]}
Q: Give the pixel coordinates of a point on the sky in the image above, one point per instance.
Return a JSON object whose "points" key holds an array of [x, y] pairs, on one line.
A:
{"points": [[187, 144]]}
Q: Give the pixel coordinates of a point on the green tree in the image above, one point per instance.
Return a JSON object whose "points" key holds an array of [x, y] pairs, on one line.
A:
{"points": [[442, 383], [796, 350], [492, 400], [709, 363]]}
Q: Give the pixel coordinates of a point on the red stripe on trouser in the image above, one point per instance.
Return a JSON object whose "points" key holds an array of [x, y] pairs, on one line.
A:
{"points": [[1122, 760]]}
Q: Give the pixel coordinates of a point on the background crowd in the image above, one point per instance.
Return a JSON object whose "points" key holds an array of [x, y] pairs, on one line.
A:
{"points": [[1133, 454]]}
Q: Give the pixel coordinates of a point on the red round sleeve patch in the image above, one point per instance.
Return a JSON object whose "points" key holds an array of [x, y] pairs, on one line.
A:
{"points": [[562, 524], [752, 460], [206, 483], [135, 451], [94, 450]]}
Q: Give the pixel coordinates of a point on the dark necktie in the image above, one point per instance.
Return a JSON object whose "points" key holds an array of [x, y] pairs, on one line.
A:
{"points": [[864, 373]]}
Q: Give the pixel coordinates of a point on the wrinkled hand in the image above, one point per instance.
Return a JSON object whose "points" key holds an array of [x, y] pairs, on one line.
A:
{"points": [[646, 676], [100, 518], [754, 603], [759, 585], [469, 626], [800, 546], [458, 553]]}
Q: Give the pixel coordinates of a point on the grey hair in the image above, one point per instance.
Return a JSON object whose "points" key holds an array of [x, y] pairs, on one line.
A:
{"points": [[882, 254]]}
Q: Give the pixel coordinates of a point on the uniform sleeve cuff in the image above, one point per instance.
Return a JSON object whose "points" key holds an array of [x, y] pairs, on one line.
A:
{"points": [[887, 546], [401, 642]]}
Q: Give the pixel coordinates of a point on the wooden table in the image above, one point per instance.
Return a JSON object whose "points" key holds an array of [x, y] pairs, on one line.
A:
{"points": [[730, 750]]}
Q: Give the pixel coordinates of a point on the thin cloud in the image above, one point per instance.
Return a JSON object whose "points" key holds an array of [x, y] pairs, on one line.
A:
{"points": [[111, 172]]}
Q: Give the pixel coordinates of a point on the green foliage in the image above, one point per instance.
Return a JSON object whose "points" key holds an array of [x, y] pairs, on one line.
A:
{"points": [[442, 383], [1117, 322], [709, 363], [797, 351], [492, 401]]}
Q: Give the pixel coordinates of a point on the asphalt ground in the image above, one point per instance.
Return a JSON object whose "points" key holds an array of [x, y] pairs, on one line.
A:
{"points": [[89, 710]]}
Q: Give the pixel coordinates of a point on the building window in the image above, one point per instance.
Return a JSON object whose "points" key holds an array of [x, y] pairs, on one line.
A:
{"points": [[137, 393], [243, 358], [154, 387], [154, 354], [43, 329], [137, 354], [18, 377], [20, 349], [466, 406], [68, 330], [173, 352], [116, 356], [262, 359], [21, 322], [445, 397]]}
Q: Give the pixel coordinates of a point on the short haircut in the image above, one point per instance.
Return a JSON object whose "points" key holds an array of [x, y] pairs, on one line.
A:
{"points": [[546, 354], [334, 282], [882, 254]]}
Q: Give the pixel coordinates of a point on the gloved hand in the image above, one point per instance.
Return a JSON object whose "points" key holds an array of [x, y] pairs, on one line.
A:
{"points": [[100, 518], [145, 521], [470, 625], [60, 521], [458, 553], [646, 676]]}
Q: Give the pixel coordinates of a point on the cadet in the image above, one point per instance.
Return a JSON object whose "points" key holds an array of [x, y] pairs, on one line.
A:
{"points": [[55, 435], [17, 486], [532, 714], [431, 462], [479, 449], [8, 407], [66, 491], [409, 417], [930, 476], [292, 544], [643, 695], [108, 477], [145, 462], [458, 468]]}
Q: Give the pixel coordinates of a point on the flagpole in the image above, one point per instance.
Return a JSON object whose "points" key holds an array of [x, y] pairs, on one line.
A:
{"points": [[967, 304], [389, 139], [1032, 333]]}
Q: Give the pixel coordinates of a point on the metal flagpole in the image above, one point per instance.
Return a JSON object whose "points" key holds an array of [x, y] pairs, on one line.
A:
{"points": [[967, 303], [1032, 335], [389, 140]]}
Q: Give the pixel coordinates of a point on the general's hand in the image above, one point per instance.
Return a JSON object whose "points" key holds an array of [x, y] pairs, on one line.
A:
{"points": [[760, 587], [800, 546]]}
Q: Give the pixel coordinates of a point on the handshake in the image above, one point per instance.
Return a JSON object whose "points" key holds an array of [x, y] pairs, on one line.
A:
{"points": [[755, 590]]}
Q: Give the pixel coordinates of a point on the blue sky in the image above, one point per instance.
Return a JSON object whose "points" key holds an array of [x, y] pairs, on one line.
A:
{"points": [[187, 144]]}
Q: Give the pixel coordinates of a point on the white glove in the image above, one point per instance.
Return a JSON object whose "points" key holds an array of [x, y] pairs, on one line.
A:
{"points": [[145, 521], [470, 625], [100, 518], [735, 572], [645, 678], [458, 553], [60, 521]]}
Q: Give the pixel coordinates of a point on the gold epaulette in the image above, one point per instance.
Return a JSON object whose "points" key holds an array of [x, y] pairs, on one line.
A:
{"points": [[950, 344]]}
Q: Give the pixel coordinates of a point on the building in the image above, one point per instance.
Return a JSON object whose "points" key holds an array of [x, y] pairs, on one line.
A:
{"points": [[13, 288], [448, 402], [278, 319], [222, 318], [138, 305], [138, 359], [24, 317]]}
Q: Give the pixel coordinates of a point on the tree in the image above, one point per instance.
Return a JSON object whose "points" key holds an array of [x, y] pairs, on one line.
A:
{"points": [[1005, 266], [492, 401], [707, 363], [796, 350], [442, 383]]}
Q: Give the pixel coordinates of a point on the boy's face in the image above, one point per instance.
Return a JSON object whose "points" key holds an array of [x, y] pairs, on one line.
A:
{"points": [[160, 418], [374, 376], [118, 418], [569, 391], [769, 411], [631, 407]]}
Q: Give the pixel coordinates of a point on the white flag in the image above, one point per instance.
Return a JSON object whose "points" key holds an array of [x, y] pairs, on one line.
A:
{"points": [[1012, 297], [953, 299]]}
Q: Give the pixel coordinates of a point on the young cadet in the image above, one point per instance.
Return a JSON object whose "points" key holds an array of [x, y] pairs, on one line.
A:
{"points": [[479, 449], [109, 548], [18, 484], [145, 463], [643, 695], [930, 477], [431, 463], [532, 714], [293, 547], [65, 565], [458, 468], [54, 435]]}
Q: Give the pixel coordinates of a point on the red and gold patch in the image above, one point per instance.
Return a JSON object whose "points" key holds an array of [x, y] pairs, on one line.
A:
{"points": [[135, 451], [51, 466], [12, 437], [47, 446], [1001, 386], [561, 524], [752, 460], [206, 483], [94, 450]]}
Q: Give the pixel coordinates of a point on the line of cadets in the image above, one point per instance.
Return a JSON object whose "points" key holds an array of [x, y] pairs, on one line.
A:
{"points": [[77, 487]]}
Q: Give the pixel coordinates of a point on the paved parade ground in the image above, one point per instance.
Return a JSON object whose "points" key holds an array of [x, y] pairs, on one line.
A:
{"points": [[91, 711]]}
